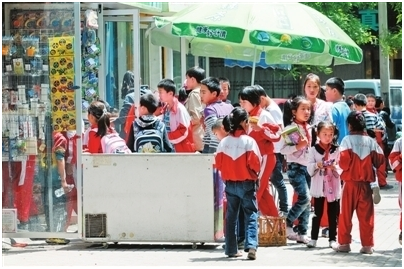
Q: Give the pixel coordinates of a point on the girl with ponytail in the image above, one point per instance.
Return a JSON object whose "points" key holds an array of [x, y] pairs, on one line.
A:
{"points": [[239, 160]]}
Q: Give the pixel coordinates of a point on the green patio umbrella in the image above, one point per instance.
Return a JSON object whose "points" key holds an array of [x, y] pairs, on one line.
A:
{"points": [[288, 33]]}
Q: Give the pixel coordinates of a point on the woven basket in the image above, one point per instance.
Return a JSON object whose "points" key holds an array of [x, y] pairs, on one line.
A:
{"points": [[271, 231]]}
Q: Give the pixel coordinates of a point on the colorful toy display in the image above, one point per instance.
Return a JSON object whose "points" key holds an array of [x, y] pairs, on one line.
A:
{"points": [[61, 77]]}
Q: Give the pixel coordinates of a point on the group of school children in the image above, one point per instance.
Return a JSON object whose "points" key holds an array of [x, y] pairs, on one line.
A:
{"points": [[333, 163]]}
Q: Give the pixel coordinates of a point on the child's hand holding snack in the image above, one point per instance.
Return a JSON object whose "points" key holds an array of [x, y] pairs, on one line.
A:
{"points": [[302, 143], [253, 121]]}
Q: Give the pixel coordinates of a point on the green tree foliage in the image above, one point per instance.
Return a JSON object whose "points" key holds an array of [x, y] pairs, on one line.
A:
{"points": [[346, 16], [392, 42]]}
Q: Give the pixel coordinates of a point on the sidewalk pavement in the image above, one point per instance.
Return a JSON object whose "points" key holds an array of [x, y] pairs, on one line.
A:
{"points": [[388, 252]]}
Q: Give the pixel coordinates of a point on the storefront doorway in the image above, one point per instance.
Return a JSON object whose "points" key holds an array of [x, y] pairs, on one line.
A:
{"points": [[122, 48]]}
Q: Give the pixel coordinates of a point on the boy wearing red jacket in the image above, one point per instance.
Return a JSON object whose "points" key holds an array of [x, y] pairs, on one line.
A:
{"points": [[395, 160], [359, 153], [176, 118]]}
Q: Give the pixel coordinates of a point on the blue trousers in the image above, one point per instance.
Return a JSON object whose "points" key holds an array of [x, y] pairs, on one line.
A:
{"points": [[279, 183], [241, 199], [300, 181]]}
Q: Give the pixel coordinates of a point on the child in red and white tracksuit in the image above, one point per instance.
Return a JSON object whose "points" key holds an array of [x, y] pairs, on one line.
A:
{"points": [[359, 153], [395, 160], [239, 161]]}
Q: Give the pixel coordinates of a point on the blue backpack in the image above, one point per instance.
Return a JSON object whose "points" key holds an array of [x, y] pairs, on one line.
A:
{"points": [[149, 139]]}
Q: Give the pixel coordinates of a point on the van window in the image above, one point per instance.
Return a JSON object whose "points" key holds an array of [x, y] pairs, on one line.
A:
{"points": [[396, 104], [395, 96], [353, 91]]}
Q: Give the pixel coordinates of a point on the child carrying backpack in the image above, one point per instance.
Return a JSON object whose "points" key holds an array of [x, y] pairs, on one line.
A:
{"points": [[148, 134], [102, 138]]}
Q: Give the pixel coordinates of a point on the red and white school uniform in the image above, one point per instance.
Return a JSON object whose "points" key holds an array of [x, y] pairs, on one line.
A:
{"points": [[359, 153], [395, 160], [180, 134], [265, 139], [238, 157]]}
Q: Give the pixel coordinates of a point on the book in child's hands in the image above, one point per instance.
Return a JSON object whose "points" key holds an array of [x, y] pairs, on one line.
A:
{"points": [[291, 135]]}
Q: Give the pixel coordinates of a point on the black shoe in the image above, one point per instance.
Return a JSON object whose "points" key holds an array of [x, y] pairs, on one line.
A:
{"points": [[386, 187]]}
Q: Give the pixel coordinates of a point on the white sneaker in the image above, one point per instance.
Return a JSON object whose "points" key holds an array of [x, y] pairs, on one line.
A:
{"points": [[221, 239], [331, 243], [376, 195], [289, 231], [312, 244], [302, 239], [299, 238]]}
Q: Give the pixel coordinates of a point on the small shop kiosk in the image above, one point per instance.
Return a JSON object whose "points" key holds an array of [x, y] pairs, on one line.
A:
{"points": [[57, 58]]}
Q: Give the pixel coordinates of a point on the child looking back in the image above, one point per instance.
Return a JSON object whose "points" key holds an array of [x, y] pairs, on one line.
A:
{"points": [[359, 153], [239, 161]]}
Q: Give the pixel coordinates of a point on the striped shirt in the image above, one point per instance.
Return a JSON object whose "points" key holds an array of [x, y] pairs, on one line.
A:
{"points": [[211, 113], [373, 121]]}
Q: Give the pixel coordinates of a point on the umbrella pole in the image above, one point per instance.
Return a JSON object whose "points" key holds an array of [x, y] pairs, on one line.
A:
{"points": [[253, 66], [183, 59]]}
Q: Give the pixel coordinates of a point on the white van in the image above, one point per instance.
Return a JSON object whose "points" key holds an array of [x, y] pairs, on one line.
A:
{"points": [[392, 99]]}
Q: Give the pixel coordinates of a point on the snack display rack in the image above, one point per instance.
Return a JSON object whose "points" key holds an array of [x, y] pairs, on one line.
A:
{"points": [[38, 100]]}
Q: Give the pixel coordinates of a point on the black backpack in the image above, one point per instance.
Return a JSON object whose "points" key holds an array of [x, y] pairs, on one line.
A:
{"points": [[146, 140]]}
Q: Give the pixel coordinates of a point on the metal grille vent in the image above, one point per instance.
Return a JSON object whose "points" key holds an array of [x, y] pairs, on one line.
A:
{"points": [[96, 225]]}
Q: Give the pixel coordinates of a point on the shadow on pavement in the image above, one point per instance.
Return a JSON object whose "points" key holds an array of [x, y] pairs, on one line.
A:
{"points": [[219, 259], [143, 247], [380, 258]]}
